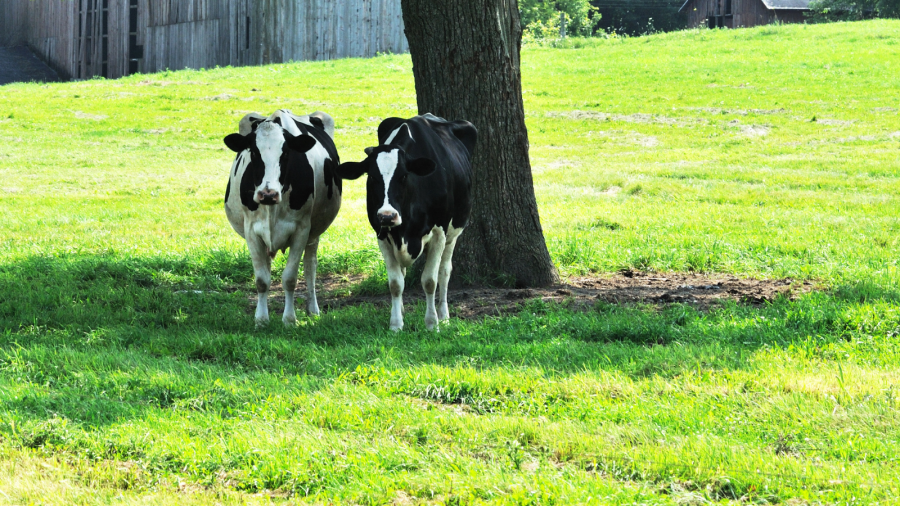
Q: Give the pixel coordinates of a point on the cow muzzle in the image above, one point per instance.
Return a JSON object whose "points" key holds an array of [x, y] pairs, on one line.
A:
{"points": [[268, 197], [389, 219]]}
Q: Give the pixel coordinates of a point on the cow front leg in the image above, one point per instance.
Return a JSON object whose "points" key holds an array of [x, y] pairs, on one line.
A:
{"points": [[395, 283], [310, 262], [430, 276], [262, 269], [444, 273], [289, 277]]}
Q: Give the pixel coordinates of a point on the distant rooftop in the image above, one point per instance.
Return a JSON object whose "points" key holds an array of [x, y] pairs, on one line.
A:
{"points": [[787, 4], [775, 4]]}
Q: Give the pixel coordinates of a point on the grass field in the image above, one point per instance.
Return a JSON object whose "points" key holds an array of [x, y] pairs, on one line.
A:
{"points": [[130, 370]]}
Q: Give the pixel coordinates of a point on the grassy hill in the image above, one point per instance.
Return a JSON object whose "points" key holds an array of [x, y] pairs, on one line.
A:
{"points": [[130, 371]]}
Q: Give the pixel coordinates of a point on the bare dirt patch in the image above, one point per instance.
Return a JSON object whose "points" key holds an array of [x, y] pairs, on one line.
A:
{"points": [[835, 122], [739, 112], [84, 115], [750, 130], [629, 118], [701, 291]]}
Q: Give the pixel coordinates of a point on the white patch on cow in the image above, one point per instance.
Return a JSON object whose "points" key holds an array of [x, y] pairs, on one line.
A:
{"points": [[387, 164], [397, 131], [401, 251], [446, 266], [270, 141]]}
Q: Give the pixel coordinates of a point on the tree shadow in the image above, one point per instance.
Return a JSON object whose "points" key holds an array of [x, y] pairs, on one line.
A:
{"points": [[100, 339]]}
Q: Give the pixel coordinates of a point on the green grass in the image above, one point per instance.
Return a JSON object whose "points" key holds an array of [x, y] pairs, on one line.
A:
{"points": [[767, 152]]}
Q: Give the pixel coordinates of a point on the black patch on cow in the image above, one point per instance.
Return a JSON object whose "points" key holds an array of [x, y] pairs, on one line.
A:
{"points": [[331, 177], [317, 131], [466, 133], [227, 190], [252, 178], [298, 176], [414, 245], [317, 122]]}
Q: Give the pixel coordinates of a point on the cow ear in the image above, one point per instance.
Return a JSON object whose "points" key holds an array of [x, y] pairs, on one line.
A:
{"points": [[237, 142], [301, 143], [351, 170], [420, 166], [249, 122]]}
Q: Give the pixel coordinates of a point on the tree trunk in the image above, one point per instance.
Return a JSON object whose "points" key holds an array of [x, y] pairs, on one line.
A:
{"points": [[465, 56]]}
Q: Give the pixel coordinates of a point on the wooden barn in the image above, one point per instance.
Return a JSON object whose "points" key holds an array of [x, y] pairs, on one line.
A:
{"points": [[743, 13], [113, 38]]}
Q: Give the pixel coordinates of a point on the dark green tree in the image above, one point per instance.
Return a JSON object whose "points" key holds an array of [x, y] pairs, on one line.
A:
{"points": [[465, 56]]}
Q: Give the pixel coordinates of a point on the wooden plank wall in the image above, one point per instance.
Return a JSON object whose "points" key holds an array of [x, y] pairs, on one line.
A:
{"points": [[177, 34], [46, 26], [747, 13], [13, 22], [206, 33]]}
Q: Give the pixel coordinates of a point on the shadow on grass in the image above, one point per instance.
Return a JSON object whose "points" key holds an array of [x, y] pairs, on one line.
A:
{"points": [[99, 339]]}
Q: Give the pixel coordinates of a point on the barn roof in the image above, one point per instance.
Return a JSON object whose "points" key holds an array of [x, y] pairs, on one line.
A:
{"points": [[787, 4], [774, 4]]}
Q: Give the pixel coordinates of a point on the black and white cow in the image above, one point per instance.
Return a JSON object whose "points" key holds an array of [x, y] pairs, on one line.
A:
{"points": [[282, 194], [418, 199]]}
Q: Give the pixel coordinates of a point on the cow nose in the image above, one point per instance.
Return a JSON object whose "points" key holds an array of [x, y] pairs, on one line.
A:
{"points": [[267, 197], [388, 218]]}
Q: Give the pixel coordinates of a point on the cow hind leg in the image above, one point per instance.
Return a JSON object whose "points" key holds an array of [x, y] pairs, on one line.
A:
{"points": [[289, 278], [310, 262], [430, 276], [262, 269], [444, 273], [395, 283]]}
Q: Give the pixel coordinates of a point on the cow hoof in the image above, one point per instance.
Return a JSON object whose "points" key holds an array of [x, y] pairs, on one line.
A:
{"points": [[289, 322], [262, 322], [396, 328], [313, 311], [443, 315]]}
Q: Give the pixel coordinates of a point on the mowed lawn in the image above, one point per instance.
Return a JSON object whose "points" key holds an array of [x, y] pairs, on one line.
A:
{"points": [[131, 372]]}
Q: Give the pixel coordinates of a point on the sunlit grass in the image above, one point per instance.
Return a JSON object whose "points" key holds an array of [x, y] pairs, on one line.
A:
{"points": [[131, 372]]}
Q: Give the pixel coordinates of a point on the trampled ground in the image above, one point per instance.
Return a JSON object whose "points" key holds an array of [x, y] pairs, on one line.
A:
{"points": [[701, 291], [723, 206]]}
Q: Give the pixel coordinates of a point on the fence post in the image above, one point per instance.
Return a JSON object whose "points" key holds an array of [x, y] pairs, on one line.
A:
{"points": [[562, 25]]}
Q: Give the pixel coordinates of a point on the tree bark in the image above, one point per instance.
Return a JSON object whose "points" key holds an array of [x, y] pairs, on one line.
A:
{"points": [[465, 56]]}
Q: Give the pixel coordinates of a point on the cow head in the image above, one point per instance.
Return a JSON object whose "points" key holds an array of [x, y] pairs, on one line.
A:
{"points": [[269, 146], [390, 185]]}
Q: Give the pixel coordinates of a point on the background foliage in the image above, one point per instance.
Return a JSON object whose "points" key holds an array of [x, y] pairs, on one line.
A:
{"points": [[541, 18], [852, 10]]}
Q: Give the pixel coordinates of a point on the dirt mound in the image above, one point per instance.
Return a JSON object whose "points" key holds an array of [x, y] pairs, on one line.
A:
{"points": [[627, 287]]}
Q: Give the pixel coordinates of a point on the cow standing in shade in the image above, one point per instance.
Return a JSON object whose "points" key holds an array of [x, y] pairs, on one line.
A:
{"points": [[418, 199], [282, 194]]}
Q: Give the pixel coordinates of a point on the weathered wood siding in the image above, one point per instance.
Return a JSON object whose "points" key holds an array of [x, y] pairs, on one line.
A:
{"points": [[13, 20], [84, 38], [744, 13]]}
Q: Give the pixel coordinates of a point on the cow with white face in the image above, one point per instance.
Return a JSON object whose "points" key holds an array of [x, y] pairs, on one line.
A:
{"points": [[282, 194], [418, 200]]}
